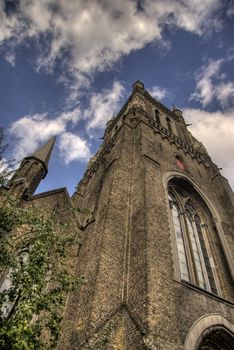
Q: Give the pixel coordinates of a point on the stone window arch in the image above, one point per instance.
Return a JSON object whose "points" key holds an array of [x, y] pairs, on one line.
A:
{"points": [[191, 222]]}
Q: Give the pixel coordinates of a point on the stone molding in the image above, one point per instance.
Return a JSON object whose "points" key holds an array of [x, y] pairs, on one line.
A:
{"points": [[203, 323], [175, 139]]}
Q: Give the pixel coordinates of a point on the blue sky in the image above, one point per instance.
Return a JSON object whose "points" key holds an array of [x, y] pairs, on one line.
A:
{"points": [[67, 66]]}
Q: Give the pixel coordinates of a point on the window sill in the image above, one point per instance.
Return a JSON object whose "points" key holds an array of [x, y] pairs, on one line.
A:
{"points": [[205, 292]]}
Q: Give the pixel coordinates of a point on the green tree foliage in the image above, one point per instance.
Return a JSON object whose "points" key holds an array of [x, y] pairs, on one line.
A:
{"points": [[3, 171], [6, 167], [33, 257]]}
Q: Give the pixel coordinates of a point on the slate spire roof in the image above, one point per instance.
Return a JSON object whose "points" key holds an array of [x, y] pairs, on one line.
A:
{"points": [[44, 152]]}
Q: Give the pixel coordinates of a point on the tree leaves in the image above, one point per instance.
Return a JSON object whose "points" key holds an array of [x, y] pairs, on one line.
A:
{"points": [[39, 285]]}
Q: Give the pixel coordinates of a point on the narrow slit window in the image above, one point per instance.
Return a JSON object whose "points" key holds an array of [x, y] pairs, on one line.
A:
{"points": [[157, 116], [207, 263], [179, 240], [169, 124], [196, 257]]}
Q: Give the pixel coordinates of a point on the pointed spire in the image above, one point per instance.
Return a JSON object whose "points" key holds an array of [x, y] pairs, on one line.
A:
{"points": [[44, 152]]}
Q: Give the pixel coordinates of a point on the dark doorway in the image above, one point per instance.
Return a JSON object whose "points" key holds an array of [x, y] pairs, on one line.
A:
{"points": [[217, 338]]}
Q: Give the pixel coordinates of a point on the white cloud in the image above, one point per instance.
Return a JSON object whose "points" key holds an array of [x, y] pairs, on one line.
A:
{"points": [[216, 131], [72, 147], [90, 36], [6, 170], [103, 105], [225, 93], [204, 90], [230, 9], [211, 85], [158, 92], [10, 57], [195, 16], [8, 24], [32, 130]]}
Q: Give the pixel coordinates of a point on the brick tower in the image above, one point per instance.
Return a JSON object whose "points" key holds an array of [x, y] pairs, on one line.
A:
{"points": [[158, 245]]}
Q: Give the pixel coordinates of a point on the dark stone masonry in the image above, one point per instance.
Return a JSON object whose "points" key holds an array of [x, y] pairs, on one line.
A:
{"points": [[157, 224]]}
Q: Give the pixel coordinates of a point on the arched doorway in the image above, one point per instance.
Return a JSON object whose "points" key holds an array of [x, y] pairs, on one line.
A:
{"points": [[210, 332], [216, 338]]}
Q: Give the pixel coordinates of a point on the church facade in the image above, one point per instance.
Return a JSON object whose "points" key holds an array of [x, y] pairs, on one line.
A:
{"points": [[157, 248]]}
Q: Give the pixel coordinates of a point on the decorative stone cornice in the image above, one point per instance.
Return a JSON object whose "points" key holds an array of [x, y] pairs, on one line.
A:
{"points": [[175, 139], [156, 103], [150, 122], [158, 128]]}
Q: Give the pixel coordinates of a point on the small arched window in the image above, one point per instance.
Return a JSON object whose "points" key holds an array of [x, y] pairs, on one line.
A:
{"points": [[194, 261], [169, 124], [8, 284], [7, 304], [157, 116]]}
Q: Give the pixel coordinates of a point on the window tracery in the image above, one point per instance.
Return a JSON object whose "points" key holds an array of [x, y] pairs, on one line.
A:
{"points": [[195, 264]]}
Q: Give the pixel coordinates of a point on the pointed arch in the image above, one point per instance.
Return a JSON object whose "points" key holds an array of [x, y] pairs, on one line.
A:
{"points": [[192, 247], [206, 326], [214, 212]]}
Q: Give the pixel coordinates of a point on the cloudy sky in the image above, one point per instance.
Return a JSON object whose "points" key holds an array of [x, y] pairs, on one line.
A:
{"points": [[67, 66]]}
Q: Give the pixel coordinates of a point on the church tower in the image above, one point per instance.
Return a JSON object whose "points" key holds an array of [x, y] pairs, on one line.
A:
{"points": [[31, 171], [158, 244]]}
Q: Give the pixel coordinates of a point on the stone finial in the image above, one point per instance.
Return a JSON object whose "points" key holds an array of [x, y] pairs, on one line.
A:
{"points": [[138, 84], [178, 113]]}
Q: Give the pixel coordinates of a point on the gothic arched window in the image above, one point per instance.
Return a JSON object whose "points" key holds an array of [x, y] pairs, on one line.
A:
{"points": [[157, 116], [192, 248]]}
